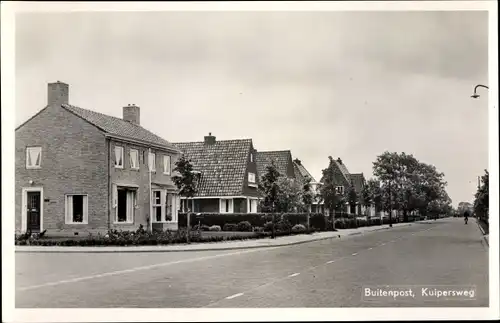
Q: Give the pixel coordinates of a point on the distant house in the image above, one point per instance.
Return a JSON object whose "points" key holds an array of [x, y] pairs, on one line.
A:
{"points": [[282, 160], [228, 180], [344, 181], [80, 171], [301, 173]]}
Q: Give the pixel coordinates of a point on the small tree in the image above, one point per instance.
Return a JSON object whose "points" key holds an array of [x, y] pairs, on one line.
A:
{"points": [[481, 202], [186, 183], [269, 188], [352, 198], [307, 197], [328, 192], [366, 199]]}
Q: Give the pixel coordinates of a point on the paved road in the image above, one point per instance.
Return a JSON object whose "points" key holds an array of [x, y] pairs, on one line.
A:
{"points": [[328, 273]]}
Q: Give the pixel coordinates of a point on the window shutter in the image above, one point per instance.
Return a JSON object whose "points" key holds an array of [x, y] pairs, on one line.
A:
{"points": [[69, 208], [132, 160], [85, 209], [115, 195]]}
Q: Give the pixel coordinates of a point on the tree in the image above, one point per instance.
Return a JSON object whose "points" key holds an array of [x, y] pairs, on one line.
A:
{"points": [[481, 201], [328, 193], [352, 198], [185, 182], [289, 197], [366, 198], [308, 196], [269, 188]]}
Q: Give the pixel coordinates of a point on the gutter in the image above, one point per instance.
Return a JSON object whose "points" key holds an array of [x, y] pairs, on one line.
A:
{"points": [[108, 164], [144, 143]]}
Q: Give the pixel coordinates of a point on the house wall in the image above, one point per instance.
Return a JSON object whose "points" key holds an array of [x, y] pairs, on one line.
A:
{"points": [[140, 177], [73, 161], [251, 168], [290, 172]]}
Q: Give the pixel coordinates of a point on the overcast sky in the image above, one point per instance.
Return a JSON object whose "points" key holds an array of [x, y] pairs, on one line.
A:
{"points": [[340, 84]]}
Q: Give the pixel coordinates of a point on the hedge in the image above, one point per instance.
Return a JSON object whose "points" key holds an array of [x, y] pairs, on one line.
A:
{"points": [[255, 219]]}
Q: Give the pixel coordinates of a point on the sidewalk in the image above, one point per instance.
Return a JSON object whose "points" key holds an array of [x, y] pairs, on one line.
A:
{"points": [[486, 236], [226, 245]]}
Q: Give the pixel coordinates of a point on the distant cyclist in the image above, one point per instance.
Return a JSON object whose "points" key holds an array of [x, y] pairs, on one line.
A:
{"points": [[466, 217]]}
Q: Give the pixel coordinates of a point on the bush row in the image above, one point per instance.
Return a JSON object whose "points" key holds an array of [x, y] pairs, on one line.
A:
{"points": [[141, 237]]}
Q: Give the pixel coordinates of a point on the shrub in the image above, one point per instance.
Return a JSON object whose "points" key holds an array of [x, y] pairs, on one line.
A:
{"points": [[298, 228], [283, 226], [268, 227], [230, 227], [215, 228], [258, 229], [244, 226]]}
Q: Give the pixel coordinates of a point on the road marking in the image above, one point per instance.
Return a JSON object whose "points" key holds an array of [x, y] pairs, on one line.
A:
{"points": [[234, 296], [131, 270], [293, 275], [383, 244], [370, 248], [330, 262], [354, 254]]}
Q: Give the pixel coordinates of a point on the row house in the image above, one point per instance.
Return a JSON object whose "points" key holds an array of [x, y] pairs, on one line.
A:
{"points": [[80, 171]]}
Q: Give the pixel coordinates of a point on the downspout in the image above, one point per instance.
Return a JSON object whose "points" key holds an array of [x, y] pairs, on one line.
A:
{"points": [[110, 193], [150, 193]]}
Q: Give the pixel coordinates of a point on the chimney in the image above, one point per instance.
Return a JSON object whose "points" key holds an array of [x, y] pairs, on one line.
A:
{"points": [[132, 114], [58, 93], [339, 161], [209, 140]]}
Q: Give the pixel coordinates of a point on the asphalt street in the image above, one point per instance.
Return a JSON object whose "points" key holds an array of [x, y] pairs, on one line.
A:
{"points": [[444, 255]]}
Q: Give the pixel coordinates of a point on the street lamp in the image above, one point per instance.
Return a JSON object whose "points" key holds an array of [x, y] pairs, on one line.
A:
{"points": [[475, 95]]}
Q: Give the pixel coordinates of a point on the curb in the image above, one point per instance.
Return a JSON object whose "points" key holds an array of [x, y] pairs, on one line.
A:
{"points": [[480, 228], [131, 249], [486, 239]]}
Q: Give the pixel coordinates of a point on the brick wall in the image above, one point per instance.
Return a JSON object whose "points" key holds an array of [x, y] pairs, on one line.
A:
{"points": [[140, 178], [73, 162], [251, 168]]}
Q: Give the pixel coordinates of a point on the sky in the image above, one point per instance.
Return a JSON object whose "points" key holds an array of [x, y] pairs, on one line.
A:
{"points": [[341, 84]]}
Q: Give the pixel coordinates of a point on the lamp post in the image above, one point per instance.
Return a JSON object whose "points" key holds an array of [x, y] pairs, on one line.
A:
{"points": [[475, 95]]}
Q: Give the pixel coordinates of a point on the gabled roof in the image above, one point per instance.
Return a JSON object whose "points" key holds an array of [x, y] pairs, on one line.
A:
{"points": [[343, 170], [358, 181], [222, 165], [281, 161], [119, 127], [301, 172]]}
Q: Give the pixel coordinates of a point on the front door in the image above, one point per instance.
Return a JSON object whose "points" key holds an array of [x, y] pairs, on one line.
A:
{"points": [[33, 211]]}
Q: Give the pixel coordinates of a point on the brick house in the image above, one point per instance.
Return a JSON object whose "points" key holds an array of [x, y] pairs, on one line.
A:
{"points": [[228, 181], [358, 182], [282, 161], [80, 171], [302, 173], [342, 179]]}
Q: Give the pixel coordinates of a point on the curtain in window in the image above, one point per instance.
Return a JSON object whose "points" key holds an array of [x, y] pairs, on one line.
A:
{"points": [[85, 209], [130, 206], [69, 208], [118, 156], [115, 195], [134, 159], [33, 156]]}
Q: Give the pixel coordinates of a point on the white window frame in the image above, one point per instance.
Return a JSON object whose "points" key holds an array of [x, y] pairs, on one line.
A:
{"points": [[69, 217], [152, 162], [33, 166], [158, 205], [116, 159], [251, 178], [224, 207], [167, 170], [249, 205], [129, 217], [339, 190], [137, 166]]}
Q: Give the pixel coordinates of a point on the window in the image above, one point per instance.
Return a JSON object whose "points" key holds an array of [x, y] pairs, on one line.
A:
{"points": [[152, 162], [157, 209], [251, 178], [251, 157], [339, 190], [164, 206], [166, 165], [125, 203], [252, 205], [76, 209], [118, 157], [134, 159], [226, 205], [33, 157]]}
